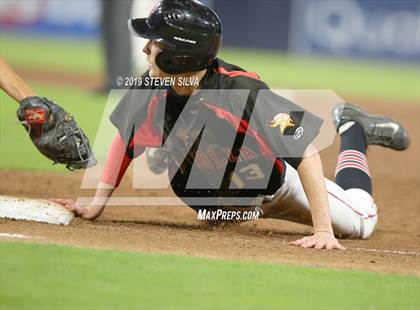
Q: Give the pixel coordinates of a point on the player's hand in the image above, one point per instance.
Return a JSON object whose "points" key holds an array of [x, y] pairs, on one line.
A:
{"points": [[319, 240], [86, 212]]}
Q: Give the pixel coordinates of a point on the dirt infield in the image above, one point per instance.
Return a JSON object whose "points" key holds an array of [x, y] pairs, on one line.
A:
{"points": [[394, 247]]}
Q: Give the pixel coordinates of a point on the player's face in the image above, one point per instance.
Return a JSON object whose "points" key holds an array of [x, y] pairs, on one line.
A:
{"points": [[152, 49]]}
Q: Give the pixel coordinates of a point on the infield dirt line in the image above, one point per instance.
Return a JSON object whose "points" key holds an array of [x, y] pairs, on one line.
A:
{"points": [[371, 250], [397, 252]]}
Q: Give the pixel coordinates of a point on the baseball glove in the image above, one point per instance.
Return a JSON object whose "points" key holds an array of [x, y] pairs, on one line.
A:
{"points": [[55, 133]]}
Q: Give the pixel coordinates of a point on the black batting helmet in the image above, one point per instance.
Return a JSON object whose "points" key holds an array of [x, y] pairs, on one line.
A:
{"points": [[190, 31]]}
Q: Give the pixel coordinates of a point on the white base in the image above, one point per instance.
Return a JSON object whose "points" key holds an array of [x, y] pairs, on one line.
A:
{"points": [[38, 210]]}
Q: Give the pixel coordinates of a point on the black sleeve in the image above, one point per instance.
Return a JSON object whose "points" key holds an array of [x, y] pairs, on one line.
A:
{"points": [[288, 128], [131, 111]]}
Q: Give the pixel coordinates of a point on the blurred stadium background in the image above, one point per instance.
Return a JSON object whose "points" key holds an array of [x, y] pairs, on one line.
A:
{"points": [[364, 50], [355, 47], [361, 49]]}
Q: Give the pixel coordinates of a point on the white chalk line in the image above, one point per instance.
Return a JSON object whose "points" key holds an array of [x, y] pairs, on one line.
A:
{"points": [[16, 236], [398, 252]]}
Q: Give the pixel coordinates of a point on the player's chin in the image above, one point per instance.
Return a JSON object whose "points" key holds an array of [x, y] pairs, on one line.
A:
{"points": [[154, 72]]}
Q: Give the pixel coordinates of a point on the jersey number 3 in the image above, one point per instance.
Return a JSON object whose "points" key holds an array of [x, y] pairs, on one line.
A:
{"points": [[249, 173]]}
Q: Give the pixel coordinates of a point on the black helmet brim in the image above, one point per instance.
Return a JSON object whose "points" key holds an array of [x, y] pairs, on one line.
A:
{"points": [[139, 27]]}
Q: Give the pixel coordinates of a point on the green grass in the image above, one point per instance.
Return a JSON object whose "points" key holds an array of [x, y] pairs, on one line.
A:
{"points": [[361, 78], [16, 148], [371, 79], [52, 53], [59, 277]]}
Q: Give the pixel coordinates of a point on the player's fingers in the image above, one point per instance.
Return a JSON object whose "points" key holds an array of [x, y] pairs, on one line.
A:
{"points": [[62, 201], [70, 207], [309, 244], [334, 244], [299, 241], [320, 244], [339, 246], [78, 210], [57, 200]]}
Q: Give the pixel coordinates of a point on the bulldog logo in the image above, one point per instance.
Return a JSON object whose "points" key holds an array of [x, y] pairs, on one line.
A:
{"points": [[35, 116], [283, 121]]}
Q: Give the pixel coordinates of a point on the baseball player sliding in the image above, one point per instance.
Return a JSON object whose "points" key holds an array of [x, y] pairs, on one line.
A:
{"points": [[235, 146]]}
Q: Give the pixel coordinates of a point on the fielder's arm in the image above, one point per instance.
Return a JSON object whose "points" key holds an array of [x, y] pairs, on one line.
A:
{"points": [[312, 177], [12, 83]]}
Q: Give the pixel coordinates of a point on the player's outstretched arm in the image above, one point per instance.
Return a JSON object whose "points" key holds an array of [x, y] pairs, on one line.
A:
{"points": [[12, 83], [89, 212], [312, 177], [116, 165]]}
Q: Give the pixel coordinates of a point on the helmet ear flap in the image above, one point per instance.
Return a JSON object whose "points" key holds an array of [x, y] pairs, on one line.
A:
{"points": [[175, 63], [169, 63]]}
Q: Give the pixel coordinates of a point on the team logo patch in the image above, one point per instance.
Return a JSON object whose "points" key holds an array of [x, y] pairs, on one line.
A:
{"points": [[35, 116], [298, 133], [283, 121]]}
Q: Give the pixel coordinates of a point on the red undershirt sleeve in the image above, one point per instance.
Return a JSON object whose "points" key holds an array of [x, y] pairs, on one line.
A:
{"points": [[116, 163]]}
